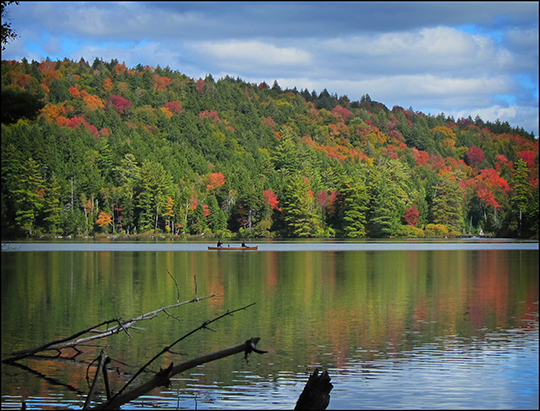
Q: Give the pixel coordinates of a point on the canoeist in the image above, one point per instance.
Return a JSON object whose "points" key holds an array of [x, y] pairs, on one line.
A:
{"points": [[219, 243], [244, 243]]}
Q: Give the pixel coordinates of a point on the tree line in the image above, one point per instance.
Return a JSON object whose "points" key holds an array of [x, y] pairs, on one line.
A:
{"points": [[105, 149]]}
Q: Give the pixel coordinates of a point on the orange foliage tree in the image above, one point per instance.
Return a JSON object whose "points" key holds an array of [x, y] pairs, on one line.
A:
{"points": [[104, 219], [215, 181]]}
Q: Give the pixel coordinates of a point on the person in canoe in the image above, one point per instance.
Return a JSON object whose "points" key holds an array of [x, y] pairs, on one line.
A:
{"points": [[244, 243], [219, 243]]}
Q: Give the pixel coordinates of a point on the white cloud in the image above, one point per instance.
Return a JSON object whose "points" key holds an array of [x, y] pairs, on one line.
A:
{"points": [[443, 49], [122, 21], [466, 92], [253, 55]]}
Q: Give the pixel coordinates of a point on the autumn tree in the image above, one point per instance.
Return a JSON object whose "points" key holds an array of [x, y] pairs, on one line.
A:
{"points": [[475, 156], [411, 216], [168, 214], [215, 181], [119, 103], [104, 219]]}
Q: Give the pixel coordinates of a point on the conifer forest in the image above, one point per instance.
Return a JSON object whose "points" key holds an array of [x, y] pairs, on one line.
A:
{"points": [[97, 148]]}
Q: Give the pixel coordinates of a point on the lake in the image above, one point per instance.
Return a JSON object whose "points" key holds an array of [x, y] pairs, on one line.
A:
{"points": [[440, 324]]}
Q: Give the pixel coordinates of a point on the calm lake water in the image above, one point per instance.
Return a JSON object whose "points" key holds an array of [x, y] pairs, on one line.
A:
{"points": [[398, 325]]}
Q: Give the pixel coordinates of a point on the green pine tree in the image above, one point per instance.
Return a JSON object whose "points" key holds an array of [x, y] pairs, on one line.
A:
{"points": [[53, 209], [351, 207], [447, 208], [299, 211], [29, 195], [521, 195]]}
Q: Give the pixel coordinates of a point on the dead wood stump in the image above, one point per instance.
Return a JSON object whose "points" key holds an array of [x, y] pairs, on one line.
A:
{"points": [[316, 394]]}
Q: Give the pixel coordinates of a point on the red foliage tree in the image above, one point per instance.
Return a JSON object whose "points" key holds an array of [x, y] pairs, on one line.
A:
{"points": [[487, 197], [420, 157], [341, 112], [199, 85], [527, 156], [411, 216], [210, 114], [492, 179], [475, 156], [174, 106], [119, 103], [271, 199], [269, 121]]}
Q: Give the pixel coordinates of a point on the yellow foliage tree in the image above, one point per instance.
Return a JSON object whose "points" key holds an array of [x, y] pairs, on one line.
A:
{"points": [[107, 85], [104, 219], [169, 213]]}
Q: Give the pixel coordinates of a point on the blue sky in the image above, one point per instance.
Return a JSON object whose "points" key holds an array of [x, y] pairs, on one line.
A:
{"points": [[460, 58]]}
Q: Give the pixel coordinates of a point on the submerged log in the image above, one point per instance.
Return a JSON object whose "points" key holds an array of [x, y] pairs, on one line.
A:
{"points": [[316, 394]]}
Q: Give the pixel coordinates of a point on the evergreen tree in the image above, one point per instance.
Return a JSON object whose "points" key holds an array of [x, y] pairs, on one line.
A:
{"points": [[128, 175], [286, 156], [521, 196], [300, 216], [29, 192], [447, 206], [53, 209], [388, 188], [154, 187], [351, 207]]}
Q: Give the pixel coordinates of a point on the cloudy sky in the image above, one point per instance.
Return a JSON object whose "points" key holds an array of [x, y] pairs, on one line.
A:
{"points": [[460, 58]]}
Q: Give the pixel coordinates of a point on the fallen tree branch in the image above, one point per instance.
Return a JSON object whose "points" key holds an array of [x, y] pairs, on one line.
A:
{"points": [[164, 376], [67, 342], [51, 345], [102, 361], [167, 348], [177, 290]]}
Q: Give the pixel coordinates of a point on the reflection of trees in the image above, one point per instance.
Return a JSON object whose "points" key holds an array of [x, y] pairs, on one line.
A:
{"points": [[322, 308], [49, 380], [376, 303]]}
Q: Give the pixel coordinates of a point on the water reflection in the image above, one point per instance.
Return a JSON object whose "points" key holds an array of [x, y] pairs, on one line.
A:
{"points": [[407, 329]]}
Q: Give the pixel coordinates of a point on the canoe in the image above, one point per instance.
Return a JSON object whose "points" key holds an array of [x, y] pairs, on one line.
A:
{"points": [[233, 248]]}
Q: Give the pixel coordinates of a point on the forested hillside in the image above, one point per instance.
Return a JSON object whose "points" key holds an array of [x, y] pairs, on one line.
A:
{"points": [[92, 148]]}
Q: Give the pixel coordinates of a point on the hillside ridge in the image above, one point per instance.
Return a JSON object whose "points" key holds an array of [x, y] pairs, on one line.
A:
{"points": [[104, 149]]}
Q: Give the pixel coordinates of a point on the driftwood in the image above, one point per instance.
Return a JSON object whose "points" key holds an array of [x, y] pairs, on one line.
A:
{"points": [[316, 394], [168, 348], [163, 377], [73, 340]]}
